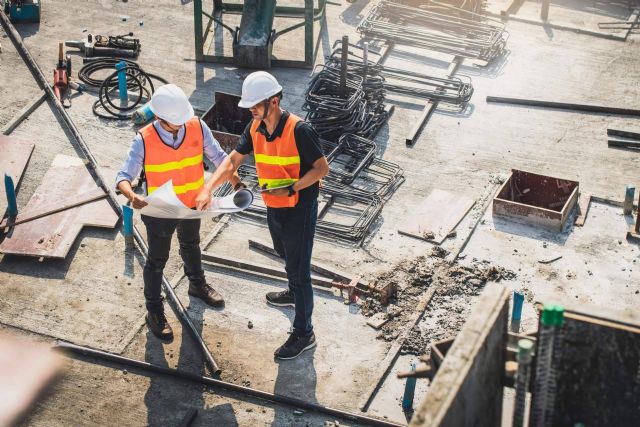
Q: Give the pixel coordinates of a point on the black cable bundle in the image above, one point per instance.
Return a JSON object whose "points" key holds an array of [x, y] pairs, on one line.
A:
{"points": [[139, 83]]}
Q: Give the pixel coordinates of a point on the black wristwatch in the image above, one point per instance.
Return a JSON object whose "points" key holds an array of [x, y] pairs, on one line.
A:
{"points": [[291, 190], [239, 185]]}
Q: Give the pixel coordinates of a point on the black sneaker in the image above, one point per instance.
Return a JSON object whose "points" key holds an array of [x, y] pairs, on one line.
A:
{"points": [[281, 299], [157, 322], [295, 345]]}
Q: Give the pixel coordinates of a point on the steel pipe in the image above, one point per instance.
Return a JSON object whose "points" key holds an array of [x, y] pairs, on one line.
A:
{"points": [[212, 382]]}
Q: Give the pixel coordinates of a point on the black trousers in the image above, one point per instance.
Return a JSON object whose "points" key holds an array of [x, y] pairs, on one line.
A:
{"points": [[292, 231], [159, 234]]}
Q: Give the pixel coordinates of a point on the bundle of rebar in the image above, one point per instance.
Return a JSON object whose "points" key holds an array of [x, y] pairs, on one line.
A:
{"points": [[358, 210], [434, 31], [338, 103], [409, 83], [472, 9]]}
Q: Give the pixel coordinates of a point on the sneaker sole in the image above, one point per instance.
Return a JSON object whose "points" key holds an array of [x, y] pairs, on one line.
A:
{"points": [[310, 346], [280, 304]]}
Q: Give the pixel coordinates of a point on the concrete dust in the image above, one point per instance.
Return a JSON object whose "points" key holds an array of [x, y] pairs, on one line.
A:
{"points": [[456, 286]]}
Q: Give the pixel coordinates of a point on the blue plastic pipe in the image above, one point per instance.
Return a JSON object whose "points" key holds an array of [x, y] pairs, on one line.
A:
{"points": [[409, 390], [518, 300], [127, 220], [12, 203], [122, 81]]}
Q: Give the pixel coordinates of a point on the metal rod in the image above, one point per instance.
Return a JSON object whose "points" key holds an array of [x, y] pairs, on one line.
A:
{"points": [[93, 168], [637, 228], [623, 133], [566, 106], [623, 144], [212, 382], [89, 197], [343, 65]]}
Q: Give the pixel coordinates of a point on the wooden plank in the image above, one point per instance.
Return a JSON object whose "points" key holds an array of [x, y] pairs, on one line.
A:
{"points": [[434, 218], [13, 161], [478, 212], [583, 208], [53, 235]]}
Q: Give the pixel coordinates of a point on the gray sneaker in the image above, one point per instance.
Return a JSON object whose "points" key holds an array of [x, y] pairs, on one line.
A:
{"points": [[295, 346], [281, 299]]}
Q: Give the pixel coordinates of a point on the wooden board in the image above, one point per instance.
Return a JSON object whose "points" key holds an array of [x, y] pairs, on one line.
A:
{"points": [[583, 208], [437, 216], [13, 161], [53, 235]]}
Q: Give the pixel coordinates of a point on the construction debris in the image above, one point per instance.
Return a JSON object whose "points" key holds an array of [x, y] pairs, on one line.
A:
{"points": [[455, 286]]}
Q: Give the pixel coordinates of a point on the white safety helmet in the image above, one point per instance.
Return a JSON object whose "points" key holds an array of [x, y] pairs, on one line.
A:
{"points": [[257, 87], [171, 104]]}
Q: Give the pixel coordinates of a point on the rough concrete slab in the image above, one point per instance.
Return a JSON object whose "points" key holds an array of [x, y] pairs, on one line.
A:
{"points": [[455, 150]]}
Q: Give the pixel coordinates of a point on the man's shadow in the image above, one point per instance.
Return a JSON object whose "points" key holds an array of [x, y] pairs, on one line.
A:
{"points": [[168, 400], [296, 378]]}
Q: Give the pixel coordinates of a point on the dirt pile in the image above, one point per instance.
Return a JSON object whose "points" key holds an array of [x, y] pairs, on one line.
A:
{"points": [[455, 285]]}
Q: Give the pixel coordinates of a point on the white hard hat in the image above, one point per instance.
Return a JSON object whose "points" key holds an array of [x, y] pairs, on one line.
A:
{"points": [[171, 104], [257, 87]]}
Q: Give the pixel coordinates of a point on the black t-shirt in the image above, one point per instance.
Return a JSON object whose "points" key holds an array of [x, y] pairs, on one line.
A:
{"points": [[307, 142]]}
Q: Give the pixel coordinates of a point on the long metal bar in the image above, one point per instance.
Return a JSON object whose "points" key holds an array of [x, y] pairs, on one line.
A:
{"points": [[212, 382], [566, 106], [623, 144], [268, 270], [197, 29], [623, 133], [65, 204], [431, 106], [93, 167]]}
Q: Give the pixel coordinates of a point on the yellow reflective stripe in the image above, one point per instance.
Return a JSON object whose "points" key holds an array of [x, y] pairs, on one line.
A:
{"points": [[181, 189], [165, 167], [273, 183], [277, 160]]}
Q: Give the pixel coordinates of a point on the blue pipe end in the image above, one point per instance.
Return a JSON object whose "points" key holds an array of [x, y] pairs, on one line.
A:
{"points": [[127, 218], [518, 300], [122, 81], [409, 390], [10, 189]]}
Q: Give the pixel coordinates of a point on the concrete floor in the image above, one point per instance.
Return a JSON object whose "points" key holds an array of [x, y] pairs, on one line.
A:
{"points": [[94, 296]]}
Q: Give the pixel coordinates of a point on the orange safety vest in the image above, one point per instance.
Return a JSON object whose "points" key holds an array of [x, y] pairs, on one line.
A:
{"points": [[277, 162], [183, 165]]}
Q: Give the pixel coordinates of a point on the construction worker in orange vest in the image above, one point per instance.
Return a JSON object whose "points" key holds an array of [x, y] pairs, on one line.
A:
{"points": [[172, 148], [290, 162]]}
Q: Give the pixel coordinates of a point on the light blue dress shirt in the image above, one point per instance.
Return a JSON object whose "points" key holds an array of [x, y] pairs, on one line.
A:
{"points": [[135, 160]]}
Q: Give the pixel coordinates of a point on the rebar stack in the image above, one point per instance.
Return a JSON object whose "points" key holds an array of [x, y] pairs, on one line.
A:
{"points": [[357, 210], [472, 9], [333, 110], [384, 79], [439, 32]]}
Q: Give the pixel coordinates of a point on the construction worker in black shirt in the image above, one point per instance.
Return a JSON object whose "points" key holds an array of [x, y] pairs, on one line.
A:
{"points": [[289, 164]]}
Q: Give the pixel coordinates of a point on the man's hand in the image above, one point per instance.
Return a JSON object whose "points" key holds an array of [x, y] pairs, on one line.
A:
{"points": [[280, 192], [203, 199], [137, 201]]}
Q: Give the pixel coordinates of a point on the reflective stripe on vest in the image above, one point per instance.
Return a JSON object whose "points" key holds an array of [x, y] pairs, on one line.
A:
{"points": [[277, 162], [182, 165]]}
